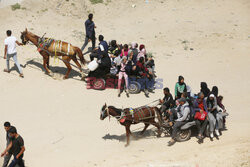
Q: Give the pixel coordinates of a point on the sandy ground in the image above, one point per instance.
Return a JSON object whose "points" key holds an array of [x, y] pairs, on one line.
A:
{"points": [[59, 119]]}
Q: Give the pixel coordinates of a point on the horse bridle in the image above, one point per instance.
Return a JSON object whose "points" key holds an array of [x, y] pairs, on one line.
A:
{"points": [[103, 112]]}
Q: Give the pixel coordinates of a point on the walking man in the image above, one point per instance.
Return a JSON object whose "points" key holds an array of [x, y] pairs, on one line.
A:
{"points": [[7, 157], [16, 147], [10, 52], [90, 32]]}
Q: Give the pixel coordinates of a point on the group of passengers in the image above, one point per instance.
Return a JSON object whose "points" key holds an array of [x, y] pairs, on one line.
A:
{"points": [[123, 61], [205, 108]]}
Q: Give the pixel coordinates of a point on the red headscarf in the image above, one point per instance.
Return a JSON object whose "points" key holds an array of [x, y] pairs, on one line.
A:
{"points": [[141, 47]]}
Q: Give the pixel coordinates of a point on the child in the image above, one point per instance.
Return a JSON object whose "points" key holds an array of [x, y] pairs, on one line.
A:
{"points": [[123, 73]]}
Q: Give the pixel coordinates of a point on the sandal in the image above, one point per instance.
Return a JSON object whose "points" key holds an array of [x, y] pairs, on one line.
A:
{"points": [[170, 143], [5, 70]]}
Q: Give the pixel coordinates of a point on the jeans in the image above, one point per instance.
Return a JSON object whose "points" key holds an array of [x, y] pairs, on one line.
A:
{"points": [[173, 115], [164, 109], [6, 160], [176, 127], [201, 125], [16, 162], [14, 56], [87, 41]]}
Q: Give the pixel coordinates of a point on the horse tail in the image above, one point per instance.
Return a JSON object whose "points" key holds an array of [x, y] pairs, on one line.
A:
{"points": [[80, 55]]}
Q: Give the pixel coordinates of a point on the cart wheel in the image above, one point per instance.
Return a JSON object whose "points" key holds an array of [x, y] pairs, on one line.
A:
{"points": [[134, 87], [99, 84], [183, 135]]}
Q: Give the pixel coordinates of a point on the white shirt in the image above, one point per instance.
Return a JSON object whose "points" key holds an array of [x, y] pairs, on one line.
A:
{"points": [[11, 43]]}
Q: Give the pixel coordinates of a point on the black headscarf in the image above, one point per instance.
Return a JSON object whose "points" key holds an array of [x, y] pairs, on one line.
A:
{"points": [[215, 91], [179, 80], [204, 89]]}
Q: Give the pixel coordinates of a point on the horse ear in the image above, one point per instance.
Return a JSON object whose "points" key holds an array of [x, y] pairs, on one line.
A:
{"points": [[26, 29], [105, 104]]}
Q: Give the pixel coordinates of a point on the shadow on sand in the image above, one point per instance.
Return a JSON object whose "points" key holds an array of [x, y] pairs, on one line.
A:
{"points": [[58, 70], [136, 135]]}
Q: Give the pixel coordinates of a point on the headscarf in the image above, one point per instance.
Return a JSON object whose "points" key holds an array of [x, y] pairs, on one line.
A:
{"points": [[215, 91], [179, 80], [141, 54], [141, 47], [204, 89], [133, 45]]}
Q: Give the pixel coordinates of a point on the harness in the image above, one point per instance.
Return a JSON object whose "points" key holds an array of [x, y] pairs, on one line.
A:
{"points": [[139, 112], [44, 43]]}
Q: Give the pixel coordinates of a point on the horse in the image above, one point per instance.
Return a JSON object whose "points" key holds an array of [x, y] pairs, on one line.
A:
{"points": [[126, 118], [54, 48]]}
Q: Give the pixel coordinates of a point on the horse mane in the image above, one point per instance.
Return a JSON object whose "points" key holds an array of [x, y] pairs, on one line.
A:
{"points": [[117, 110], [31, 34]]}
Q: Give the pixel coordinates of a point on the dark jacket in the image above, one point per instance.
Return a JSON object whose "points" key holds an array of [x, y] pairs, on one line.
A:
{"points": [[168, 101], [212, 104], [105, 46], [103, 68], [141, 69], [90, 28]]}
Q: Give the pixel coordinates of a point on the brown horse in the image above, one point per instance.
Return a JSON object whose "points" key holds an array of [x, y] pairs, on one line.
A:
{"points": [[143, 114], [55, 48]]}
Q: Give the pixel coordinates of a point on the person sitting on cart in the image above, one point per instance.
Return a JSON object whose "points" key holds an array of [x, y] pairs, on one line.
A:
{"points": [[104, 66], [142, 53], [114, 50], [150, 64], [180, 87], [179, 116], [123, 74], [124, 51], [131, 64], [134, 48], [201, 120], [167, 102], [103, 47], [145, 75]]}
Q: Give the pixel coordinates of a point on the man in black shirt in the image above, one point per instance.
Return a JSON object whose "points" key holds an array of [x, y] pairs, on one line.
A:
{"points": [[16, 147], [167, 102], [90, 32], [7, 157]]}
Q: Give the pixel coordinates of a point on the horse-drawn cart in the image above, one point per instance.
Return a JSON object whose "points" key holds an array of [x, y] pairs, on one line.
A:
{"points": [[150, 115]]}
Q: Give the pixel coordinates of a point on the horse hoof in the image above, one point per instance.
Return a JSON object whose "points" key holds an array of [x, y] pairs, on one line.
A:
{"points": [[65, 77], [126, 145]]}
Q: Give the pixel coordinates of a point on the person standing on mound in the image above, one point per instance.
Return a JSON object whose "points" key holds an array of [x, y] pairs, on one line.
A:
{"points": [[10, 52], [90, 32]]}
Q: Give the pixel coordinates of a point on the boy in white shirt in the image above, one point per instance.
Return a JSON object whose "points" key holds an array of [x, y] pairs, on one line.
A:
{"points": [[10, 51]]}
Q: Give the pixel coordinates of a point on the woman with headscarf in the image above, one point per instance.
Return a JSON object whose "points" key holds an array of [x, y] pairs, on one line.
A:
{"points": [[142, 52], [215, 91], [204, 89], [103, 68], [180, 87], [214, 117], [134, 47]]}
